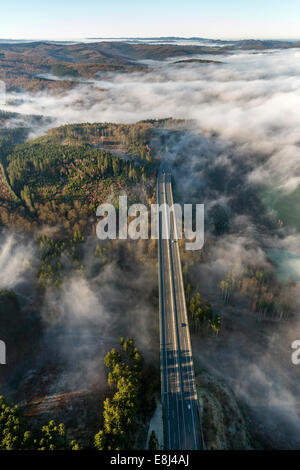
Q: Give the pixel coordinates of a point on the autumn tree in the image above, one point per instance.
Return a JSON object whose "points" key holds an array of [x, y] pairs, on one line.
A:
{"points": [[120, 411]]}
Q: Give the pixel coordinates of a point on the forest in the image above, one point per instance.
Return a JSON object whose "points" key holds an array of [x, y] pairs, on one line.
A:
{"points": [[59, 180], [131, 400]]}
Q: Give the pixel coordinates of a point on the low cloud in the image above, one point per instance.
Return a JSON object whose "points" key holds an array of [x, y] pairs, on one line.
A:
{"points": [[251, 99], [246, 135], [15, 261]]}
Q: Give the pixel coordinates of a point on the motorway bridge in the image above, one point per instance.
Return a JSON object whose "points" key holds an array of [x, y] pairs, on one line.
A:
{"points": [[182, 426]]}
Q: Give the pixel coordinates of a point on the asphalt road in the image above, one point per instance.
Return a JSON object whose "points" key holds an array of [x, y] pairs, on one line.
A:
{"points": [[179, 395]]}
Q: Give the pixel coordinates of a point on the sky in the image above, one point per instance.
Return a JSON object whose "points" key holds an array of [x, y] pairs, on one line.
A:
{"points": [[70, 19]]}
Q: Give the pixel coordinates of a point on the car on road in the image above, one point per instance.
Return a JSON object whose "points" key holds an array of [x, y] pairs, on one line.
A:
{"points": [[183, 324], [189, 406]]}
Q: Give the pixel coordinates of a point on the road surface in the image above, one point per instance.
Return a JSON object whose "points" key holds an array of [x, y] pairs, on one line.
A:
{"points": [[179, 396]]}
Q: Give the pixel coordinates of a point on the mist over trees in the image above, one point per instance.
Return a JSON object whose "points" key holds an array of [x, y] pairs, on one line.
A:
{"points": [[238, 156]]}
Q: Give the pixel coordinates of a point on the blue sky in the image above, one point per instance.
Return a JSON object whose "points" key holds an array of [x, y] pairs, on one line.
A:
{"points": [[42, 19]]}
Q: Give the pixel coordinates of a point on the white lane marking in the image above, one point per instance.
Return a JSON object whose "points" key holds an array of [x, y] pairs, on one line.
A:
{"points": [[166, 376], [186, 336], [175, 321], [172, 300]]}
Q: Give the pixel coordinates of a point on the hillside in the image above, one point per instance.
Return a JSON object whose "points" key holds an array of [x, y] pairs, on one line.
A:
{"points": [[35, 66], [59, 180], [21, 65]]}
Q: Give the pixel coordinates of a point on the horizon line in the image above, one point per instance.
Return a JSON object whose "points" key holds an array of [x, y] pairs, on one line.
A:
{"points": [[91, 38]]}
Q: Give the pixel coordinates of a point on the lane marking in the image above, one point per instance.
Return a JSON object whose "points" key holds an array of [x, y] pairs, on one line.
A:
{"points": [[186, 337]]}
